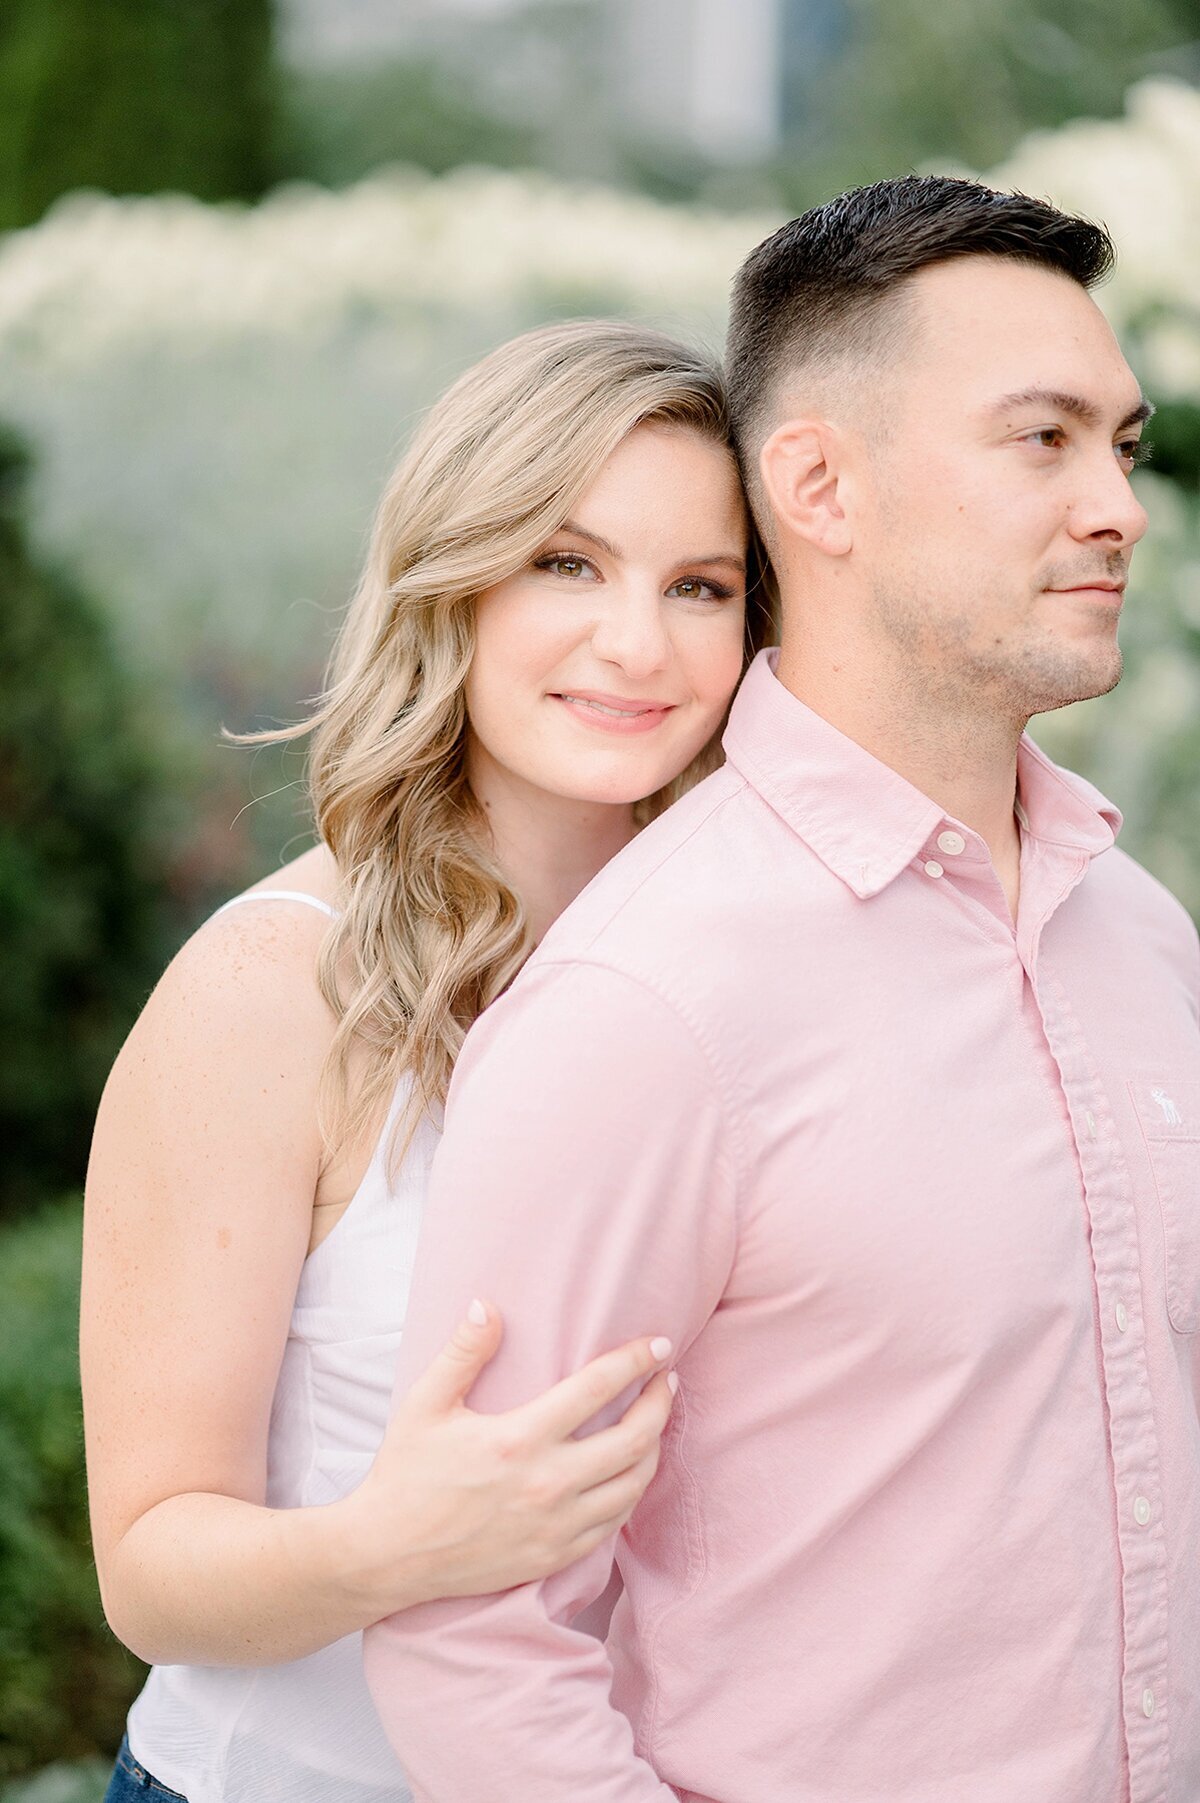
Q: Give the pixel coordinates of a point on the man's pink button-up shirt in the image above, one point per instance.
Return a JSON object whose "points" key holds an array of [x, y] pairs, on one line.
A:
{"points": [[917, 1197]]}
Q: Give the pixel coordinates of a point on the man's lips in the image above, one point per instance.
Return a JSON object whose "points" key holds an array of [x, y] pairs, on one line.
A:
{"points": [[1101, 585]]}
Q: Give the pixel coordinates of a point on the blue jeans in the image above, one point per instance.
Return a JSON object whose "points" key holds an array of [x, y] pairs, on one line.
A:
{"points": [[132, 1783]]}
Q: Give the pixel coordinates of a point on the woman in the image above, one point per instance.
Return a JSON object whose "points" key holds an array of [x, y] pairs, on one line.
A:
{"points": [[540, 655]]}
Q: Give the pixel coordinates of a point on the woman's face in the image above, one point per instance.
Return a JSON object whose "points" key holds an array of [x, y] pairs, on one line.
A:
{"points": [[605, 665]]}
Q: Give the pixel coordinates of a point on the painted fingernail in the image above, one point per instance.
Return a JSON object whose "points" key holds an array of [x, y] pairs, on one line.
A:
{"points": [[477, 1314], [672, 1383], [660, 1348]]}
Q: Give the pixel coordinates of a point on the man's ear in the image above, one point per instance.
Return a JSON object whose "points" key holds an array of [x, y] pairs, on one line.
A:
{"points": [[804, 481]]}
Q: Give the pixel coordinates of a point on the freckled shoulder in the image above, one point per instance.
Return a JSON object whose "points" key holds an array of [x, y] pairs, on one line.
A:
{"points": [[235, 1031]]}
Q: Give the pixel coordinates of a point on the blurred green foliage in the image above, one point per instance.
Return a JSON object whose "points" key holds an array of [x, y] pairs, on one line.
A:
{"points": [[964, 80], [872, 88], [65, 1682], [66, 1781], [868, 88], [133, 96], [336, 123], [1175, 437], [83, 820]]}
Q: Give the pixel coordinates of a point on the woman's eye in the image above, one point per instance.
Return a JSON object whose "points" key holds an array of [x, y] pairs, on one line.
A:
{"points": [[692, 588], [565, 564]]}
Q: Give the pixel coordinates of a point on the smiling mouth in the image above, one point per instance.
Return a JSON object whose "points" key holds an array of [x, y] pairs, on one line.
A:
{"points": [[633, 712], [613, 716]]}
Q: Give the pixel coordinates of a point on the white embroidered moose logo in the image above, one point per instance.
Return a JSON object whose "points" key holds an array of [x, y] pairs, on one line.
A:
{"points": [[1171, 1114]]}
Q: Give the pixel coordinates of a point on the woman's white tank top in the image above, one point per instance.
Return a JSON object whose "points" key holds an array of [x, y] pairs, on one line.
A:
{"points": [[307, 1732]]}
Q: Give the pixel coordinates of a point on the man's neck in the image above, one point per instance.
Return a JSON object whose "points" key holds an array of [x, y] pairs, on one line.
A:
{"points": [[962, 757]]}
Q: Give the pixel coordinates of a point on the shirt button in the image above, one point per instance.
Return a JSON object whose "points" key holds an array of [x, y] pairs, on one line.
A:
{"points": [[1122, 1315], [1141, 1511], [933, 868], [951, 843], [1147, 1702]]}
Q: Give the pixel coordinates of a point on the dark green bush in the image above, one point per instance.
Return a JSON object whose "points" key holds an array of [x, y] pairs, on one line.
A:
{"points": [[133, 96], [1175, 438], [83, 888], [65, 1683]]}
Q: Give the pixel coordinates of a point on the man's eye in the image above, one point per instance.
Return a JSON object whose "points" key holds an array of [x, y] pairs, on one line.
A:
{"points": [[1048, 436], [1133, 451]]}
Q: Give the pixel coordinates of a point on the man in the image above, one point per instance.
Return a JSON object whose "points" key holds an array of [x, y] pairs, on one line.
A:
{"points": [[871, 1074]]}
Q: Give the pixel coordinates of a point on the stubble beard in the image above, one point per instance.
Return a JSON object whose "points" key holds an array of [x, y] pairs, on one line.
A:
{"points": [[949, 669]]}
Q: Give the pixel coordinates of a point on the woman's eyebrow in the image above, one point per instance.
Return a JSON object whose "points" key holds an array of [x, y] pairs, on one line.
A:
{"points": [[722, 557], [593, 538]]}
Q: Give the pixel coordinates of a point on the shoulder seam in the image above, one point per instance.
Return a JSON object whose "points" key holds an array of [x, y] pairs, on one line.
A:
{"points": [[726, 1091], [668, 853]]}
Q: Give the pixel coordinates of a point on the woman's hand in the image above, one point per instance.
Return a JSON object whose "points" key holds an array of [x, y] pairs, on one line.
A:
{"points": [[459, 1504]]}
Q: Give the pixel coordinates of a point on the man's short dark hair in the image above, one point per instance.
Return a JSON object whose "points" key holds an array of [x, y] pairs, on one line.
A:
{"points": [[824, 287]]}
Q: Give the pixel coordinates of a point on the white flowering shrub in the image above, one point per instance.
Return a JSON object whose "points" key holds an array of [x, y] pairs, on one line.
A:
{"points": [[1140, 175], [214, 395]]}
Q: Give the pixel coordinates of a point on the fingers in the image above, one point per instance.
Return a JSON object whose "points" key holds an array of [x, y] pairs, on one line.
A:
{"points": [[571, 1403], [600, 1513], [447, 1380], [606, 1509], [615, 1449]]}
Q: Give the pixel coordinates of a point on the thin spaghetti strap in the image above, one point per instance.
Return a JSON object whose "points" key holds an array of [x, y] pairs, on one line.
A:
{"points": [[296, 895]]}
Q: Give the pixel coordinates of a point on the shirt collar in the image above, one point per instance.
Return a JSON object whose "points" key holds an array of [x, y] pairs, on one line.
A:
{"points": [[865, 821]]}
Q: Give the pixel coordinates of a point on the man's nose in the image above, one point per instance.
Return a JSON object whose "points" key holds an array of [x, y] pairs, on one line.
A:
{"points": [[1107, 507]]}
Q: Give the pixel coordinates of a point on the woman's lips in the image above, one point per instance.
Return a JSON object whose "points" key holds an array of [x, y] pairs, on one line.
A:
{"points": [[613, 713]]}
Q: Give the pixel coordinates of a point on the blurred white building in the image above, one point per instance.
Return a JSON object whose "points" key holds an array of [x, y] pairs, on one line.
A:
{"points": [[709, 77], [703, 72]]}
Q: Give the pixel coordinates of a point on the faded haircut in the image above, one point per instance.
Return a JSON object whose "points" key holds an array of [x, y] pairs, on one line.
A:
{"points": [[828, 293]]}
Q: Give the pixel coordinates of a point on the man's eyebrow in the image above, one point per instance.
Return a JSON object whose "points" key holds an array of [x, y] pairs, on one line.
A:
{"points": [[1074, 405], [604, 544]]}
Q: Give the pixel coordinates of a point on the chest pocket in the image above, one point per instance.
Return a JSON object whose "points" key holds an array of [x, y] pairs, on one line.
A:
{"points": [[1169, 1113]]}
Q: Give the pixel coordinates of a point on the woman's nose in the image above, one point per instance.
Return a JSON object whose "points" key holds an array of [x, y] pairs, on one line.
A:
{"points": [[631, 633]]}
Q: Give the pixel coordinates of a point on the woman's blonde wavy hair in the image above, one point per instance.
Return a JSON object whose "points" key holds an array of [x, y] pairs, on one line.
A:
{"points": [[429, 932]]}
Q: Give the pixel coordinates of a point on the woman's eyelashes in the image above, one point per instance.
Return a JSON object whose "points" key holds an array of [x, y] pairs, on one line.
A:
{"points": [[572, 566], [567, 564], [703, 589]]}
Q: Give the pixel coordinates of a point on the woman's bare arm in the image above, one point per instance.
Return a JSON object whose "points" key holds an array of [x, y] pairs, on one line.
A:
{"points": [[199, 1205]]}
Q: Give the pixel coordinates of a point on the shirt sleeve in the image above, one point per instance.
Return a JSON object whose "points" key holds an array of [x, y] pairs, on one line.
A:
{"points": [[585, 1186]]}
